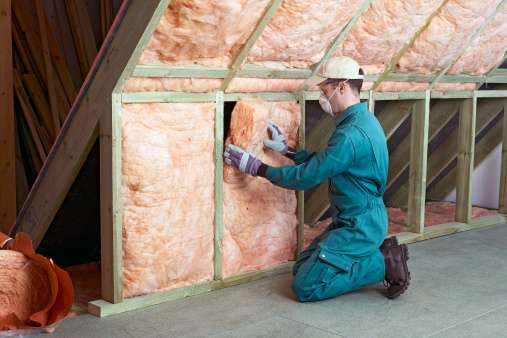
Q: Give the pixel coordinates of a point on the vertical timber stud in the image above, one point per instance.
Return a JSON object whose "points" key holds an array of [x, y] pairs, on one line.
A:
{"points": [[219, 184], [502, 201], [371, 101], [301, 194], [111, 203], [466, 145], [418, 164], [7, 136]]}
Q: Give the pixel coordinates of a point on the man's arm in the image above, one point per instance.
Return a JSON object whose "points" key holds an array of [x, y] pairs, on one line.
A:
{"points": [[336, 158]]}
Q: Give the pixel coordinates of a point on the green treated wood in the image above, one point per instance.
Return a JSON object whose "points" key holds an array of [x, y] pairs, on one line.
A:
{"points": [[219, 184], [101, 308], [444, 186], [418, 158], [301, 194], [397, 57], [371, 101], [466, 143], [468, 43], [452, 94], [267, 96], [141, 45], [502, 201], [339, 39], [441, 113], [243, 53], [446, 229], [491, 93], [111, 208], [389, 96], [446, 153], [146, 97]]}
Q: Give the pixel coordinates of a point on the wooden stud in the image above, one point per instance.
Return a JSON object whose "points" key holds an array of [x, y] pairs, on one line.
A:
{"points": [[50, 75], [418, 160], [219, 184], [256, 71], [80, 130], [371, 101], [111, 202], [243, 53], [441, 113], [7, 135], [466, 143], [301, 194], [502, 201], [39, 100], [468, 43], [102, 308], [446, 229], [397, 57], [338, 40], [446, 152]]}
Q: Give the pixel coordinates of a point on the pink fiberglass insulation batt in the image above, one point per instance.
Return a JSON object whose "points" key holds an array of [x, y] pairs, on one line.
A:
{"points": [[206, 32], [168, 189], [301, 30], [259, 218], [383, 30], [487, 51], [440, 43]]}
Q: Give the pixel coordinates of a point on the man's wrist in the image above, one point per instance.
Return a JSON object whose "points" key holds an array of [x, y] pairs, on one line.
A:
{"points": [[262, 170]]}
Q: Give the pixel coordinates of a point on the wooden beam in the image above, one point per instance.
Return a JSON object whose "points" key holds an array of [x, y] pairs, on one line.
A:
{"points": [[371, 101], [397, 57], [243, 53], [468, 43], [339, 39], [502, 201], [301, 194], [80, 129], [446, 229], [441, 113], [466, 143], [446, 152], [418, 161], [256, 71], [442, 187], [102, 308], [111, 202], [219, 185], [50, 75], [7, 135]]}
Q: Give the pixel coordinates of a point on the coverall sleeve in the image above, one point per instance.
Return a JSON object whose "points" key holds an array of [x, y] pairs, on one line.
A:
{"points": [[302, 156], [335, 159]]}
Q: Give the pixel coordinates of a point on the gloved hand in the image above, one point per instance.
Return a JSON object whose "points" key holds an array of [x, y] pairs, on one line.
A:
{"points": [[277, 141], [241, 160]]}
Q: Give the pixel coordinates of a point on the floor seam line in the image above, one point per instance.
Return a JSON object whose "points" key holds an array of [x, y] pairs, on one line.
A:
{"points": [[467, 320], [313, 326]]}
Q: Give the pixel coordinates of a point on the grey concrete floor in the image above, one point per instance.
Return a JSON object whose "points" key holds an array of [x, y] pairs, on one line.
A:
{"points": [[459, 289]]}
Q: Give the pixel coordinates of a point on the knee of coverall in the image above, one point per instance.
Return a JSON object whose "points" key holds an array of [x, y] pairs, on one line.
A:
{"points": [[309, 284]]}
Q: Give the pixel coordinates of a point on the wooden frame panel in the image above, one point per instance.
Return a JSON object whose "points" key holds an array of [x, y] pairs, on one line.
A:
{"points": [[219, 185], [418, 165], [466, 145], [301, 194], [502, 201]]}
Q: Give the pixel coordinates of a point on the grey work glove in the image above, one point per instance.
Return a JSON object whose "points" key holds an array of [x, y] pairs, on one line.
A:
{"points": [[277, 142], [241, 160]]}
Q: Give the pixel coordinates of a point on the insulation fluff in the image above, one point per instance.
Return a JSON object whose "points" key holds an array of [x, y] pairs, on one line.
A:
{"points": [[168, 189], [260, 218]]}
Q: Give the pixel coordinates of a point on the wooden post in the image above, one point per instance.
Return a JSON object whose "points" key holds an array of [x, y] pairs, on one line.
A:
{"points": [[111, 203], [466, 148], [219, 184], [7, 136], [502, 201], [301, 194], [371, 101], [418, 161]]}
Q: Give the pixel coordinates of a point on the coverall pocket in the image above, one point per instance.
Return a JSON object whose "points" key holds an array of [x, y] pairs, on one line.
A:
{"points": [[337, 261]]}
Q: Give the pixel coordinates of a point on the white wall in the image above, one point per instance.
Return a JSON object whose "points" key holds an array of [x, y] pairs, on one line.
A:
{"points": [[486, 181]]}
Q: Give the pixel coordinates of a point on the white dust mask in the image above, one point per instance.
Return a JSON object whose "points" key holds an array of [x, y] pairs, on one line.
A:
{"points": [[325, 104]]}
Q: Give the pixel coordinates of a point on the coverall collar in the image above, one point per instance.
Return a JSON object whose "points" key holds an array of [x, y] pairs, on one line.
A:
{"points": [[355, 108]]}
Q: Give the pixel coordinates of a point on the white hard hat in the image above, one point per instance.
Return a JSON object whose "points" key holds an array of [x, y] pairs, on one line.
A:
{"points": [[340, 67]]}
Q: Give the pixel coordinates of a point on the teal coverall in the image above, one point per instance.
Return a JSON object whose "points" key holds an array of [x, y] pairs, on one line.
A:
{"points": [[347, 255]]}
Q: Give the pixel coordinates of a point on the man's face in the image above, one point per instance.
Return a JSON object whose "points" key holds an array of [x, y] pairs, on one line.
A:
{"points": [[335, 92]]}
